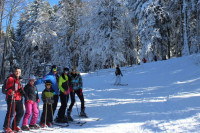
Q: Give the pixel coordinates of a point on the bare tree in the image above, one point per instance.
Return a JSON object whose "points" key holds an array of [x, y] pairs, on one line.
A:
{"points": [[12, 8]]}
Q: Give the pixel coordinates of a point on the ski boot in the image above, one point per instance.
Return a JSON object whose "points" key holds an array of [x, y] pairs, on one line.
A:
{"points": [[82, 113], [69, 118]]}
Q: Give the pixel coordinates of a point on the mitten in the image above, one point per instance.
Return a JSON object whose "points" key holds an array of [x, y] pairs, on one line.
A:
{"points": [[30, 101], [38, 100], [81, 91]]}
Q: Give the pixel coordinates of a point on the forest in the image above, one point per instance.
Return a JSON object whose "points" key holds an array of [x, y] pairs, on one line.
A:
{"points": [[94, 34]]}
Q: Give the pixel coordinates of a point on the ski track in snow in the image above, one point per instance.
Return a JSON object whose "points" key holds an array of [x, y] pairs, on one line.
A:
{"points": [[161, 96]]}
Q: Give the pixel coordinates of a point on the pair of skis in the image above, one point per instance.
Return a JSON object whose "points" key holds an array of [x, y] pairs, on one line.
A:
{"points": [[75, 122]]}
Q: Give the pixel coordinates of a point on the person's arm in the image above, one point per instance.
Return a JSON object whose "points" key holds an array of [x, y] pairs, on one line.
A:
{"points": [[60, 82], [121, 72], [42, 80], [80, 82], [9, 85]]}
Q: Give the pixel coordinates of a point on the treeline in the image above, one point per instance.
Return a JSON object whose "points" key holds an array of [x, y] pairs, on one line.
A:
{"points": [[99, 33]]}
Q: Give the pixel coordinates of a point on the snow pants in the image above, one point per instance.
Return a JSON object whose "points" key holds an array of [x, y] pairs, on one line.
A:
{"points": [[118, 80], [47, 113], [30, 109], [80, 96], [19, 109]]}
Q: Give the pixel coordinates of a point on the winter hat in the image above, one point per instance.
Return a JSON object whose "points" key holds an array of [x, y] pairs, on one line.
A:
{"points": [[66, 70], [32, 77], [54, 68], [74, 69], [48, 82]]}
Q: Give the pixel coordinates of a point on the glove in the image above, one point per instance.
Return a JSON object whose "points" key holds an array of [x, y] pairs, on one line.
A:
{"points": [[65, 92], [38, 100], [81, 91], [30, 101]]}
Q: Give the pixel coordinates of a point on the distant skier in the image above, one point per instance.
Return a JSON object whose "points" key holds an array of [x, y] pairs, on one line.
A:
{"points": [[31, 101], [118, 74], [77, 87], [144, 60]]}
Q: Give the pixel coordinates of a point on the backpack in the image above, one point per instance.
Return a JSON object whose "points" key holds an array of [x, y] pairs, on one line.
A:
{"points": [[4, 90]]}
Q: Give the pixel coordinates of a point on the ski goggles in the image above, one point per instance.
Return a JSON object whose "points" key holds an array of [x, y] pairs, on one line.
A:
{"points": [[73, 70], [66, 71], [54, 69], [48, 84]]}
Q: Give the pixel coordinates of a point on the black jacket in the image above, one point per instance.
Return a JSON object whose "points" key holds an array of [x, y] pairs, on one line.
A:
{"points": [[118, 71], [31, 93], [47, 96]]}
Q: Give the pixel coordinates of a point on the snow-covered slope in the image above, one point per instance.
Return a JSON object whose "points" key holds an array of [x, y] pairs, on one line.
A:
{"points": [[161, 96]]}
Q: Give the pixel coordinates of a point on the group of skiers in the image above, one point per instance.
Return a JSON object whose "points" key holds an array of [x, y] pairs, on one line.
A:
{"points": [[63, 86]]}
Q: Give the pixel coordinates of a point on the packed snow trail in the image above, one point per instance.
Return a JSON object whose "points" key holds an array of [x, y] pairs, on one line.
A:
{"points": [[160, 96]]}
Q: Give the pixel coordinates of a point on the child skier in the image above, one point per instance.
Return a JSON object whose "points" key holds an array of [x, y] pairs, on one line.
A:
{"points": [[31, 100], [47, 98]]}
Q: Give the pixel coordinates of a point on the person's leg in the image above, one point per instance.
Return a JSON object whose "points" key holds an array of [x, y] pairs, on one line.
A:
{"points": [[9, 114], [27, 115], [81, 97], [72, 95], [42, 120], [61, 111], [35, 114], [19, 109], [55, 103], [49, 113]]}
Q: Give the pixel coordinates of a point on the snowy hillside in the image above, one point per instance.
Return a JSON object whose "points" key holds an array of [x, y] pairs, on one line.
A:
{"points": [[160, 97]]}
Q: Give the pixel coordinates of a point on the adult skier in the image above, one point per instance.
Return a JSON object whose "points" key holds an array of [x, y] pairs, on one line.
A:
{"points": [[77, 87], [14, 101], [63, 85], [52, 76]]}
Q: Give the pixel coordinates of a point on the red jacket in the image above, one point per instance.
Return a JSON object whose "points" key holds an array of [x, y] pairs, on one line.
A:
{"points": [[11, 86]]}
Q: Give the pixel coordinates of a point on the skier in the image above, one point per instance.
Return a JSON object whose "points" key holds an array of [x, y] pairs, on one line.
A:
{"points": [[53, 77], [77, 87], [118, 74], [144, 60], [14, 101], [63, 85], [48, 100], [31, 101]]}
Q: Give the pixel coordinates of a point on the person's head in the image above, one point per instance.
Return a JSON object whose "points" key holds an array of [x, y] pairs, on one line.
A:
{"points": [[73, 71], [32, 79], [54, 69], [48, 84], [17, 72], [66, 70]]}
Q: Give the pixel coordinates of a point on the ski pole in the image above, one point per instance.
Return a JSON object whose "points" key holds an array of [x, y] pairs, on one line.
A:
{"points": [[14, 114], [38, 105], [10, 111], [46, 115], [77, 109], [52, 114]]}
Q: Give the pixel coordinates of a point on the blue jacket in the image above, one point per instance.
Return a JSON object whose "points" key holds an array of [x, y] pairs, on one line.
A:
{"points": [[54, 80]]}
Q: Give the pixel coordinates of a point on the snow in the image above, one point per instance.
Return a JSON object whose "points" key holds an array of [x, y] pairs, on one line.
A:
{"points": [[161, 96]]}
